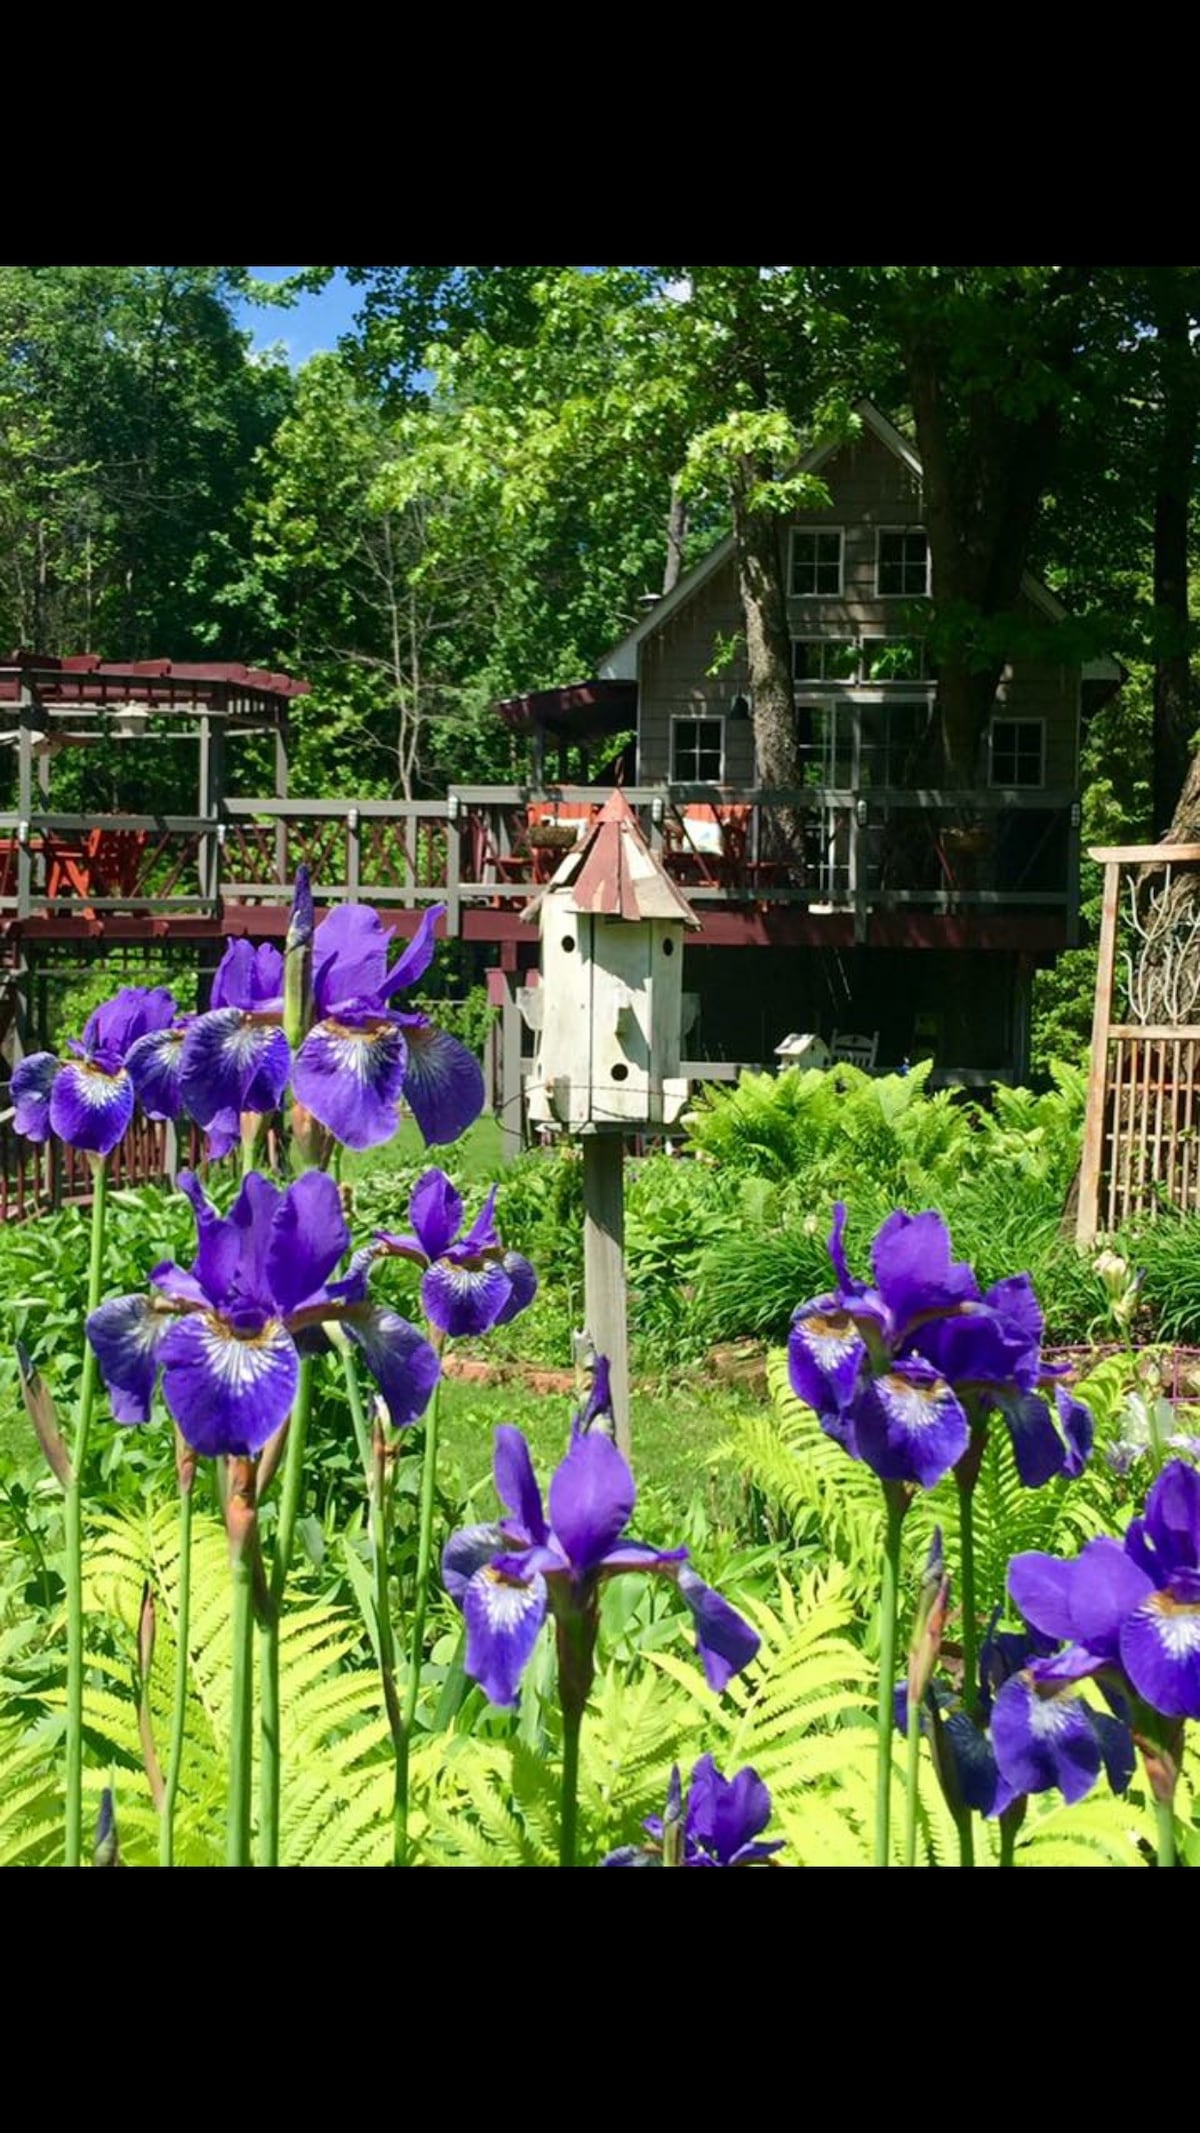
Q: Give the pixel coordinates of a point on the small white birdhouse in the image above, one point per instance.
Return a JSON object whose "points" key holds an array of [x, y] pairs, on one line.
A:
{"points": [[608, 1011], [803, 1049]]}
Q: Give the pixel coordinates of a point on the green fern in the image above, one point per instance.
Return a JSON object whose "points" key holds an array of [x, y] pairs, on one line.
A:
{"points": [[337, 1770]]}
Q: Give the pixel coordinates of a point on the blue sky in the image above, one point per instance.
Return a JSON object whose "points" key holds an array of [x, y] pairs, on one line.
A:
{"points": [[313, 323]]}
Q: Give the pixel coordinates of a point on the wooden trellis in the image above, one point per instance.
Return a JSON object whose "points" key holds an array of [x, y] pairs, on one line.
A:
{"points": [[1141, 1146]]}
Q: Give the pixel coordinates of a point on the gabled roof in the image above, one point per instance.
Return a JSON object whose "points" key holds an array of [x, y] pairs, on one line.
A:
{"points": [[614, 874], [621, 663]]}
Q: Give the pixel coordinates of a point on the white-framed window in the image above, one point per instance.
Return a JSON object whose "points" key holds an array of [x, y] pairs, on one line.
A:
{"points": [[697, 750], [901, 563], [816, 565], [1017, 751], [824, 659], [893, 740], [888, 659]]}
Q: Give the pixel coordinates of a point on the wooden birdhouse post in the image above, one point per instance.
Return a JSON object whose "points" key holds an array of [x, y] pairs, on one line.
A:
{"points": [[608, 1019]]}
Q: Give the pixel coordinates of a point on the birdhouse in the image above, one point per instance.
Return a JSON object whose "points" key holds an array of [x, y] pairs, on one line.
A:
{"points": [[803, 1048], [608, 1012]]}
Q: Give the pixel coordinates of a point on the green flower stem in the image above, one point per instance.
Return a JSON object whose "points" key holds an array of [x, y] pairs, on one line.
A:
{"points": [[241, 1714], [1008, 1840], [569, 1813], [417, 1638], [912, 1791], [240, 1521], [74, 1532], [379, 1493], [1164, 1813], [970, 1629], [268, 1634], [896, 1504], [166, 1832], [966, 1837]]}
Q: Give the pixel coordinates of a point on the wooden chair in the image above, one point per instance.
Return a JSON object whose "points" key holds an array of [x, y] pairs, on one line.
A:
{"points": [[849, 1050]]}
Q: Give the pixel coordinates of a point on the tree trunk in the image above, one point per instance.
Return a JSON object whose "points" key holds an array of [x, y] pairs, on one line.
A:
{"points": [[677, 523], [759, 547], [982, 490], [1173, 719]]}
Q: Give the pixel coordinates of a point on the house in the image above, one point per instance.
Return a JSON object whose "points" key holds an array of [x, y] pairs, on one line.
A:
{"points": [[917, 915]]}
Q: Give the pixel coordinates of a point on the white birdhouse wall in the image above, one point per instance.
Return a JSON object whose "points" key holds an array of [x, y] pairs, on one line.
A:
{"points": [[611, 1011]]}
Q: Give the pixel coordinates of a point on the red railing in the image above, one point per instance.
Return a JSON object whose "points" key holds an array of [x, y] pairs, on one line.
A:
{"points": [[36, 1177]]}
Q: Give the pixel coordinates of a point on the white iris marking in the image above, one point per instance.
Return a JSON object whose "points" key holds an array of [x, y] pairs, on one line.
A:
{"points": [[831, 1340], [244, 1042], [351, 1049], [96, 1089], [1176, 1627], [915, 1407], [506, 1605], [1050, 1717], [241, 1364], [136, 1326]]}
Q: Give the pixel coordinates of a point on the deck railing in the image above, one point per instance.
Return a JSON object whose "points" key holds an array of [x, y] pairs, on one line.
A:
{"points": [[818, 847]]}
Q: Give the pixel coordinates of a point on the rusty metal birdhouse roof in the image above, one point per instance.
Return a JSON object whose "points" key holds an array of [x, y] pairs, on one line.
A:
{"points": [[614, 874]]}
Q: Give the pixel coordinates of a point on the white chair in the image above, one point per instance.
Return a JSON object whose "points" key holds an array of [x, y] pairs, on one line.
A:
{"points": [[859, 1051]]}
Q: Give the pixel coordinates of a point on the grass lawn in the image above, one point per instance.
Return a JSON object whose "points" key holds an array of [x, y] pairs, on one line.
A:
{"points": [[477, 1155], [673, 1434]]}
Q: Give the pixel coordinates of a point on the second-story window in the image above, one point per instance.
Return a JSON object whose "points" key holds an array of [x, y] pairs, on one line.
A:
{"points": [[1018, 751], [697, 751], [816, 563], [824, 659], [902, 563]]}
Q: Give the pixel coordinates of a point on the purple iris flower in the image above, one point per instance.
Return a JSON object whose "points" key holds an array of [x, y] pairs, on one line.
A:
{"points": [[224, 1333], [898, 1370], [1129, 1608], [88, 1100], [506, 1576], [721, 1826], [471, 1282], [361, 1054], [1024, 1739]]}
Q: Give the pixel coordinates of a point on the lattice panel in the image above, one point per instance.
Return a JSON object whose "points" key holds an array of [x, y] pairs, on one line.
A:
{"points": [[1141, 1148], [1151, 1149]]}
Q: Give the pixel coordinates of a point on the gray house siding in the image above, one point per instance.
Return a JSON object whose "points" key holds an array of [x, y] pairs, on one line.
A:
{"points": [[870, 489]]}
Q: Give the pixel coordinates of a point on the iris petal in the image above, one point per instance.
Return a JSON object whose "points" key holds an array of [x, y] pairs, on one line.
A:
{"points": [[726, 1814], [227, 1059], [308, 1237], [592, 1496], [350, 951], [435, 1211], [725, 1642], [466, 1552], [350, 1074], [155, 1066], [909, 1425], [418, 955], [826, 1354], [443, 1084], [523, 1284], [463, 1300], [30, 1087], [516, 1483], [401, 1360], [228, 1394], [913, 1268], [126, 1334], [1160, 1652], [1044, 1742], [1037, 1446], [503, 1618], [90, 1108]]}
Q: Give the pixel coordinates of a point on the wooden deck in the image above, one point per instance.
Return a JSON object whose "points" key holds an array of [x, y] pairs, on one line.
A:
{"points": [[884, 867]]}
